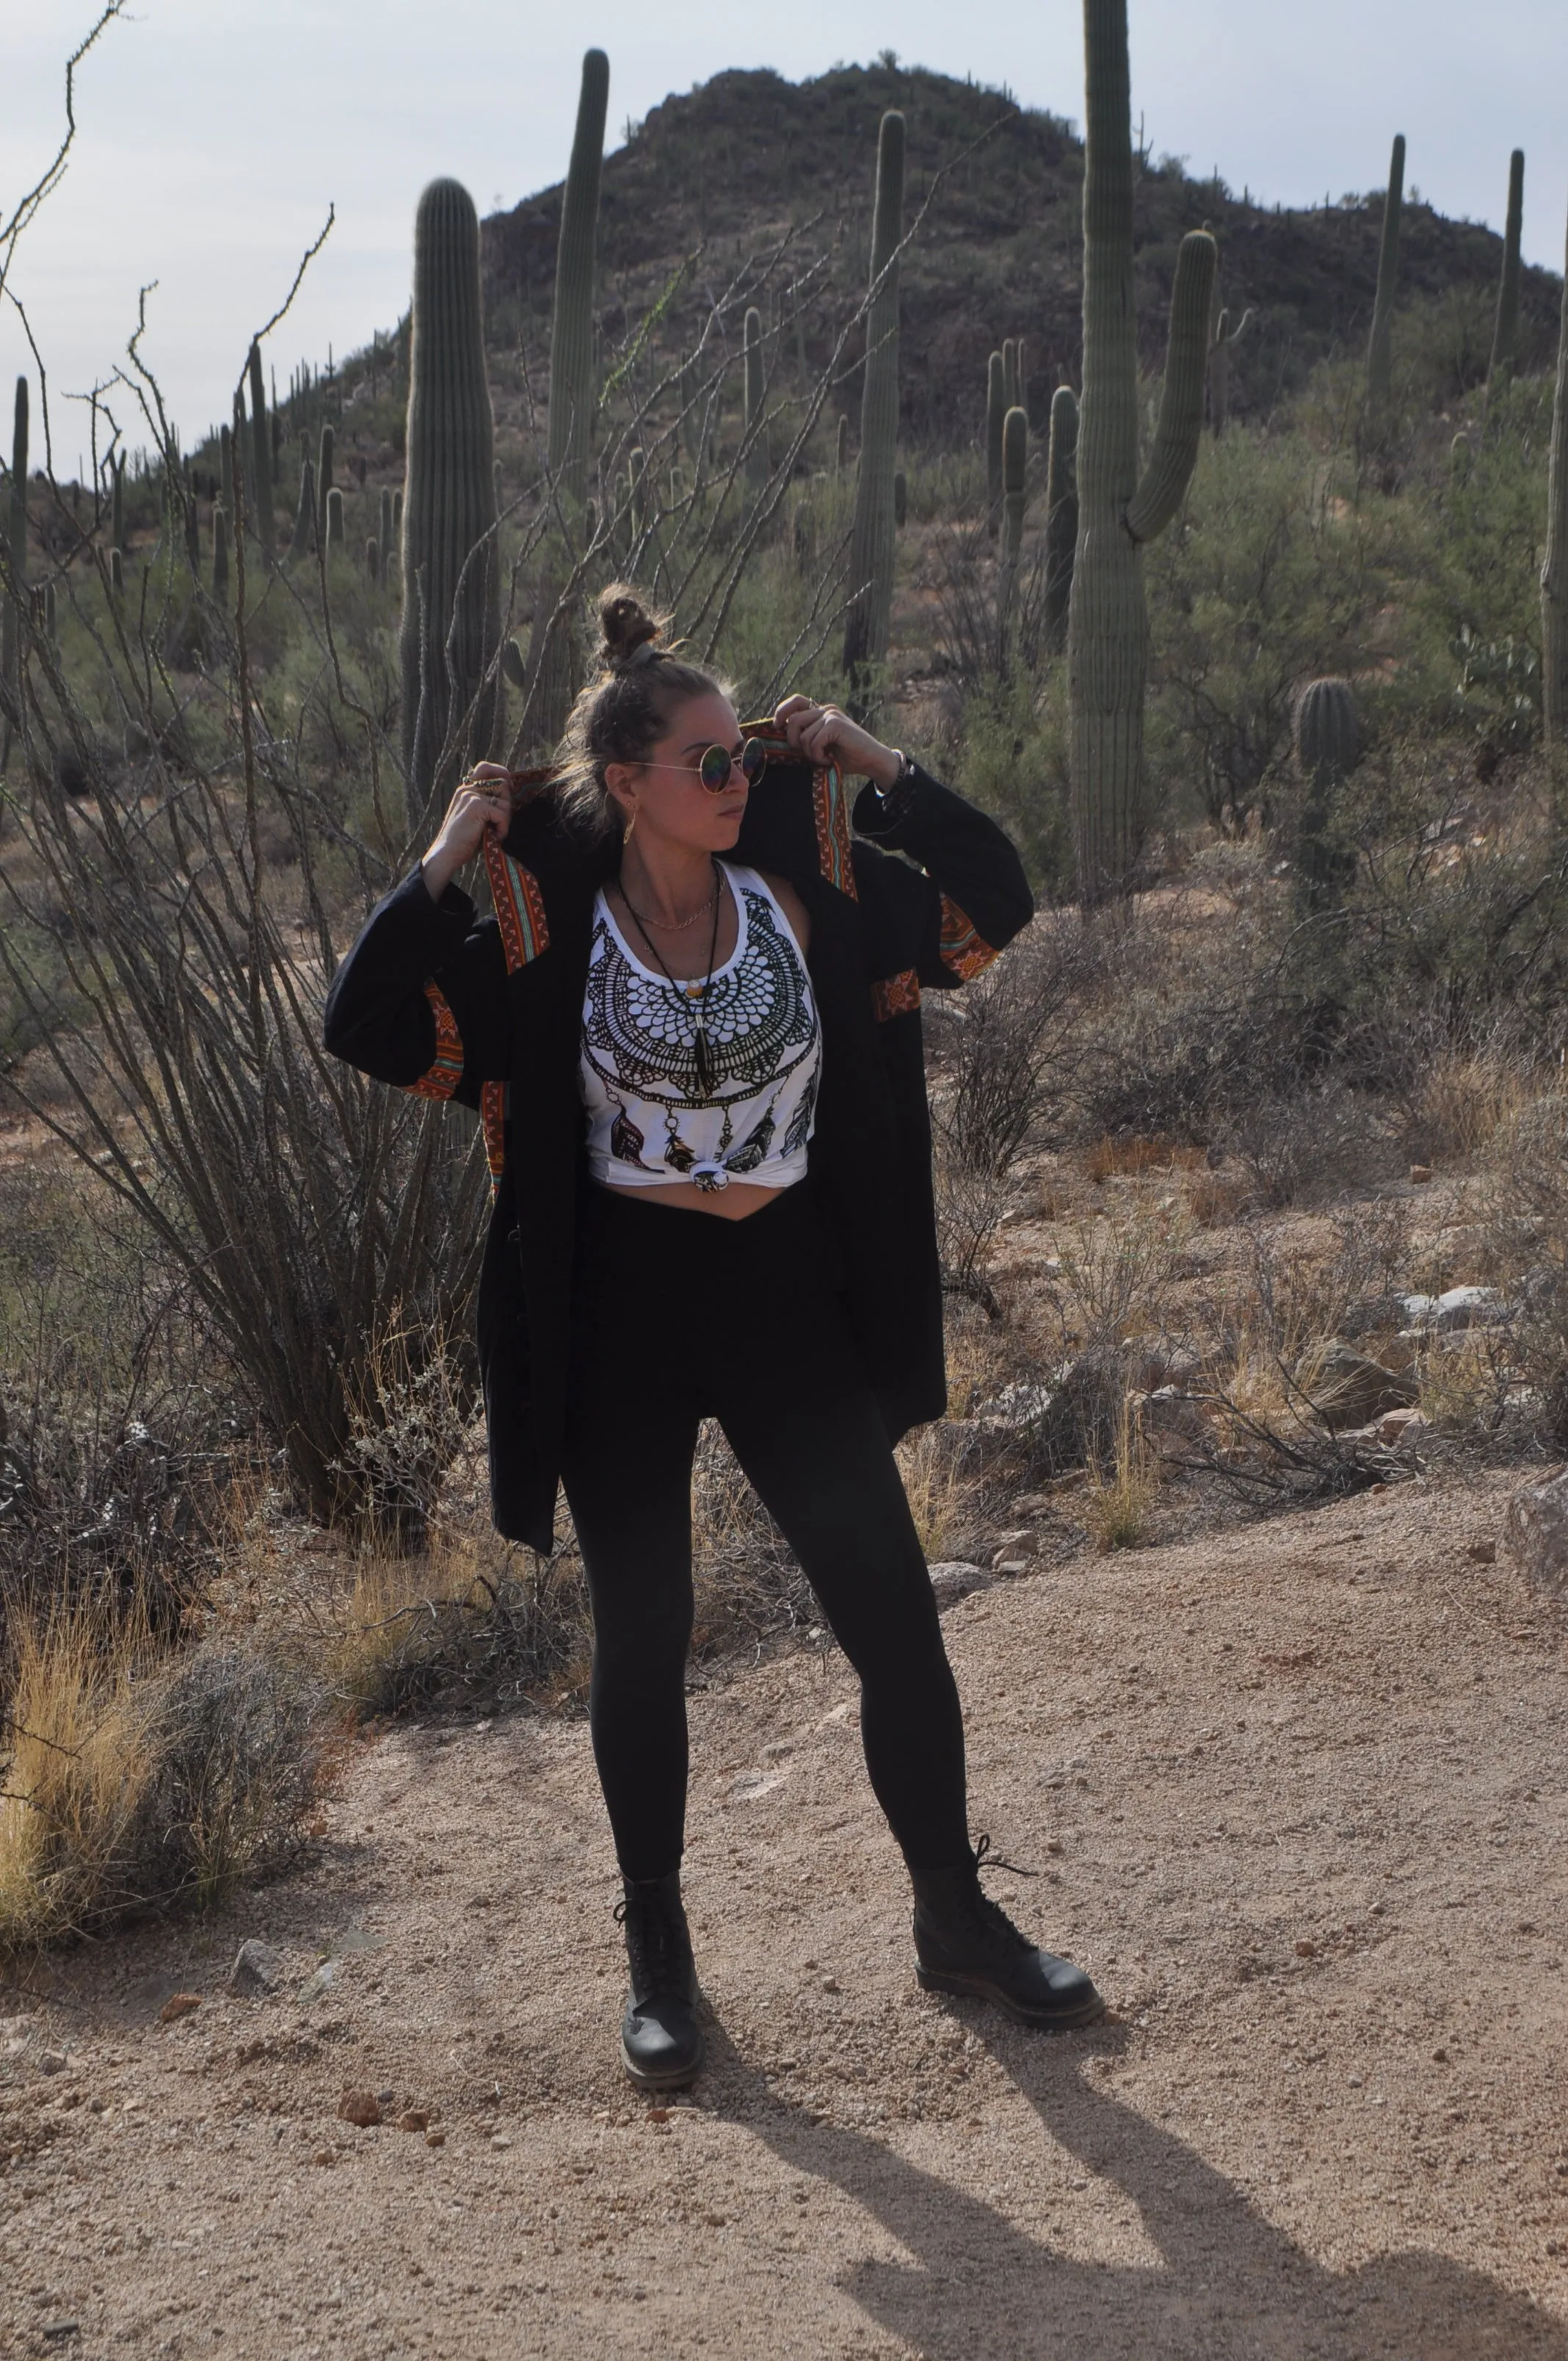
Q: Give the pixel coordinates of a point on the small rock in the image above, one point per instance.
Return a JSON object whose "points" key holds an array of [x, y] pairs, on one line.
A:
{"points": [[954, 1579], [178, 2005], [54, 2061], [1306, 1951], [1350, 1391], [1013, 1546], [59, 2331], [322, 1980], [1483, 1553], [1402, 1425], [414, 2119], [323, 2155], [361, 2108], [1457, 1307], [435, 2139], [500, 2139], [258, 1970], [1536, 1530], [1420, 1174]]}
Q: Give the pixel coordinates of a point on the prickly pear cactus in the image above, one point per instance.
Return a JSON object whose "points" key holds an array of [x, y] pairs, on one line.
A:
{"points": [[871, 541], [451, 631], [1118, 509]]}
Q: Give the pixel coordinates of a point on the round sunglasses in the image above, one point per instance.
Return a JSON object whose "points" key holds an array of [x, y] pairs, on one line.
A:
{"points": [[718, 762]]}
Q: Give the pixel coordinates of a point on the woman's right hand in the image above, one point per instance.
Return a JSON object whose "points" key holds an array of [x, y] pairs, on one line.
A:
{"points": [[481, 807]]}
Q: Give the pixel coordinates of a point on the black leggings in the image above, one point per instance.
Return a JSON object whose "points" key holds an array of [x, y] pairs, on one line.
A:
{"points": [[678, 1316]]}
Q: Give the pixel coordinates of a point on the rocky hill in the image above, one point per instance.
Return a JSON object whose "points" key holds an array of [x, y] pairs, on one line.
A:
{"points": [[725, 170]]}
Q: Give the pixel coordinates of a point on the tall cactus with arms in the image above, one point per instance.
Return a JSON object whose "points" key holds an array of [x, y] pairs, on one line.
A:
{"points": [[451, 621], [1379, 345], [872, 545], [1118, 509]]}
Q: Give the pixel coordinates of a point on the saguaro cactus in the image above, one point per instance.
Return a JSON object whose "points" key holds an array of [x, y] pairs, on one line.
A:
{"points": [[260, 457], [335, 518], [571, 324], [15, 610], [1009, 374], [1061, 513], [1015, 472], [751, 347], [995, 417], [1119, 510], [1378, 344], [220, 552], [117, 502], [451, 619], [1222, 345], [304, 539], [871, 543], [572, 366], [1554, 570], [326, 453], [1506, 333]]}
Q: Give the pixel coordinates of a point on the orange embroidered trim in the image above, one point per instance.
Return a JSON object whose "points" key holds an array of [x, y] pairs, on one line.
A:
{"points": [[441, 1079], [963, 950], [896, 995], [492, 1121], [831, 810], [520, 907]]}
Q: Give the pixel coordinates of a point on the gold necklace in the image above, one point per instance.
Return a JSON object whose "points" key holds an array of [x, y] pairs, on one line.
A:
{"points": [[669, 925]]}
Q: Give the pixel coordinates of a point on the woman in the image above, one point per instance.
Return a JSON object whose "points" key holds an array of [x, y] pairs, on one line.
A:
{"points": [[692, 1031]]}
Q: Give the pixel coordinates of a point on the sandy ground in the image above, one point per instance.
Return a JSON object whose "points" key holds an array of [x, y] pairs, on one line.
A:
{"points": [[1298, 1797]]}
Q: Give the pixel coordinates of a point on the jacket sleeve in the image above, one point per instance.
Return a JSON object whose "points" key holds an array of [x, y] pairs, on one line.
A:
{"points": [[421, 1001], [968, 897]]}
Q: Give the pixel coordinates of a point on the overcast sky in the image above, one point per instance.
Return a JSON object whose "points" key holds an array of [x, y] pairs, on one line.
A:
{"points": [[214, 134]]}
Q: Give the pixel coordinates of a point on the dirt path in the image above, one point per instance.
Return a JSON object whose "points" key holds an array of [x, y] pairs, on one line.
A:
{"points": [[1300, 1802]]}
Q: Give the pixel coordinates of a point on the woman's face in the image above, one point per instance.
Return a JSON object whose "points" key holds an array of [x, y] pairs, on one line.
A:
{"points": [[670, 803]]}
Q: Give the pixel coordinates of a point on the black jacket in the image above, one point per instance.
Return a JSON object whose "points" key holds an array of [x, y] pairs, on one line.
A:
{"points": [[489, 1011]]}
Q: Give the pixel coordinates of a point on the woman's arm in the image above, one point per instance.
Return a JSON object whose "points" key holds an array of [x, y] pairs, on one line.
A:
{"points": [[974, 896], [421, 1001]]}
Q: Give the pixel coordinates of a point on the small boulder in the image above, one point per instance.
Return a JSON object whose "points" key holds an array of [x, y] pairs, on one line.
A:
{"points": [[257, 1972], [361, 2108], [1347, 1390], [954, 1579], [1536, 1530], [1396, 1426]]}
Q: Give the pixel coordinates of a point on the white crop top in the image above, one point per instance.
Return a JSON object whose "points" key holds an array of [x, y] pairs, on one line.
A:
{"points": [[650, 1123]]}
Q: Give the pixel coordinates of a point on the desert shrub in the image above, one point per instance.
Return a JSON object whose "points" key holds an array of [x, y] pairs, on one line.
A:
{"points": [[1012, 760], [1526, 1249], [128, 1784]]}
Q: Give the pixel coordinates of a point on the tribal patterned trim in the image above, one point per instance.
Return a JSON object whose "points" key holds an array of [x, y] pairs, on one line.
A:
{"points": [[441, 1079], [493, 1099], [896, 995], [830, 808], [963, 948], [520, 907]]}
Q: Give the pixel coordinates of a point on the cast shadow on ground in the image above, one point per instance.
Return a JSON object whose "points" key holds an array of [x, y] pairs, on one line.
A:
{"points": [[1228, 2283]]}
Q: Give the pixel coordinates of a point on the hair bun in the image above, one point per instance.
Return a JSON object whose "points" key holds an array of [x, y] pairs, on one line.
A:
{"points": [[628, 629]]}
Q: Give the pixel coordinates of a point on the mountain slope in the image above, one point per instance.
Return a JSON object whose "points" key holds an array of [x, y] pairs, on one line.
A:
{"points": [[732, 165]]}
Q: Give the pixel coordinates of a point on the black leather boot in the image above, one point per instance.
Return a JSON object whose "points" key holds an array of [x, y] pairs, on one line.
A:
{"points": [[661, 2040], [964, 1942]]}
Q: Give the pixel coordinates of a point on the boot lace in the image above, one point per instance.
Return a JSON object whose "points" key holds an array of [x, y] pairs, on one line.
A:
{"points": [[656, 1943], [992, 1914]]}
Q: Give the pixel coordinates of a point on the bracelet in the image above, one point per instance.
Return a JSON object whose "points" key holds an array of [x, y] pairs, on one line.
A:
{"points": [[895, 799]]}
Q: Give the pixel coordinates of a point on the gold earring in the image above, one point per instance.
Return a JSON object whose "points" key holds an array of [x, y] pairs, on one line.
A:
{"points": [[626, 831]]}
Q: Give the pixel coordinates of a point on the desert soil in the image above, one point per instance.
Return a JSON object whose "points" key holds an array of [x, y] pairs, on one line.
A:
{"points": [[1297, 1797]]}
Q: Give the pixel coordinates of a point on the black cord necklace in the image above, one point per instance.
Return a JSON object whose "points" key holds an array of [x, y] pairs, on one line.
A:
{"points": [[703, 1056]]}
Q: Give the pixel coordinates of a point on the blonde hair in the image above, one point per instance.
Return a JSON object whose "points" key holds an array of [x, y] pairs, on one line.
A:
{"points": [[624, 712]]}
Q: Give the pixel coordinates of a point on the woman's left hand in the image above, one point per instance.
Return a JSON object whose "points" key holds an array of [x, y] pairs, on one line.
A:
{"points": [[822, 731]]}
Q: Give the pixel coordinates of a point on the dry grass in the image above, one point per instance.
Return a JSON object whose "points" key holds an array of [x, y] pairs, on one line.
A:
{"points": [[1119, 1499], [130, 1781]]}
